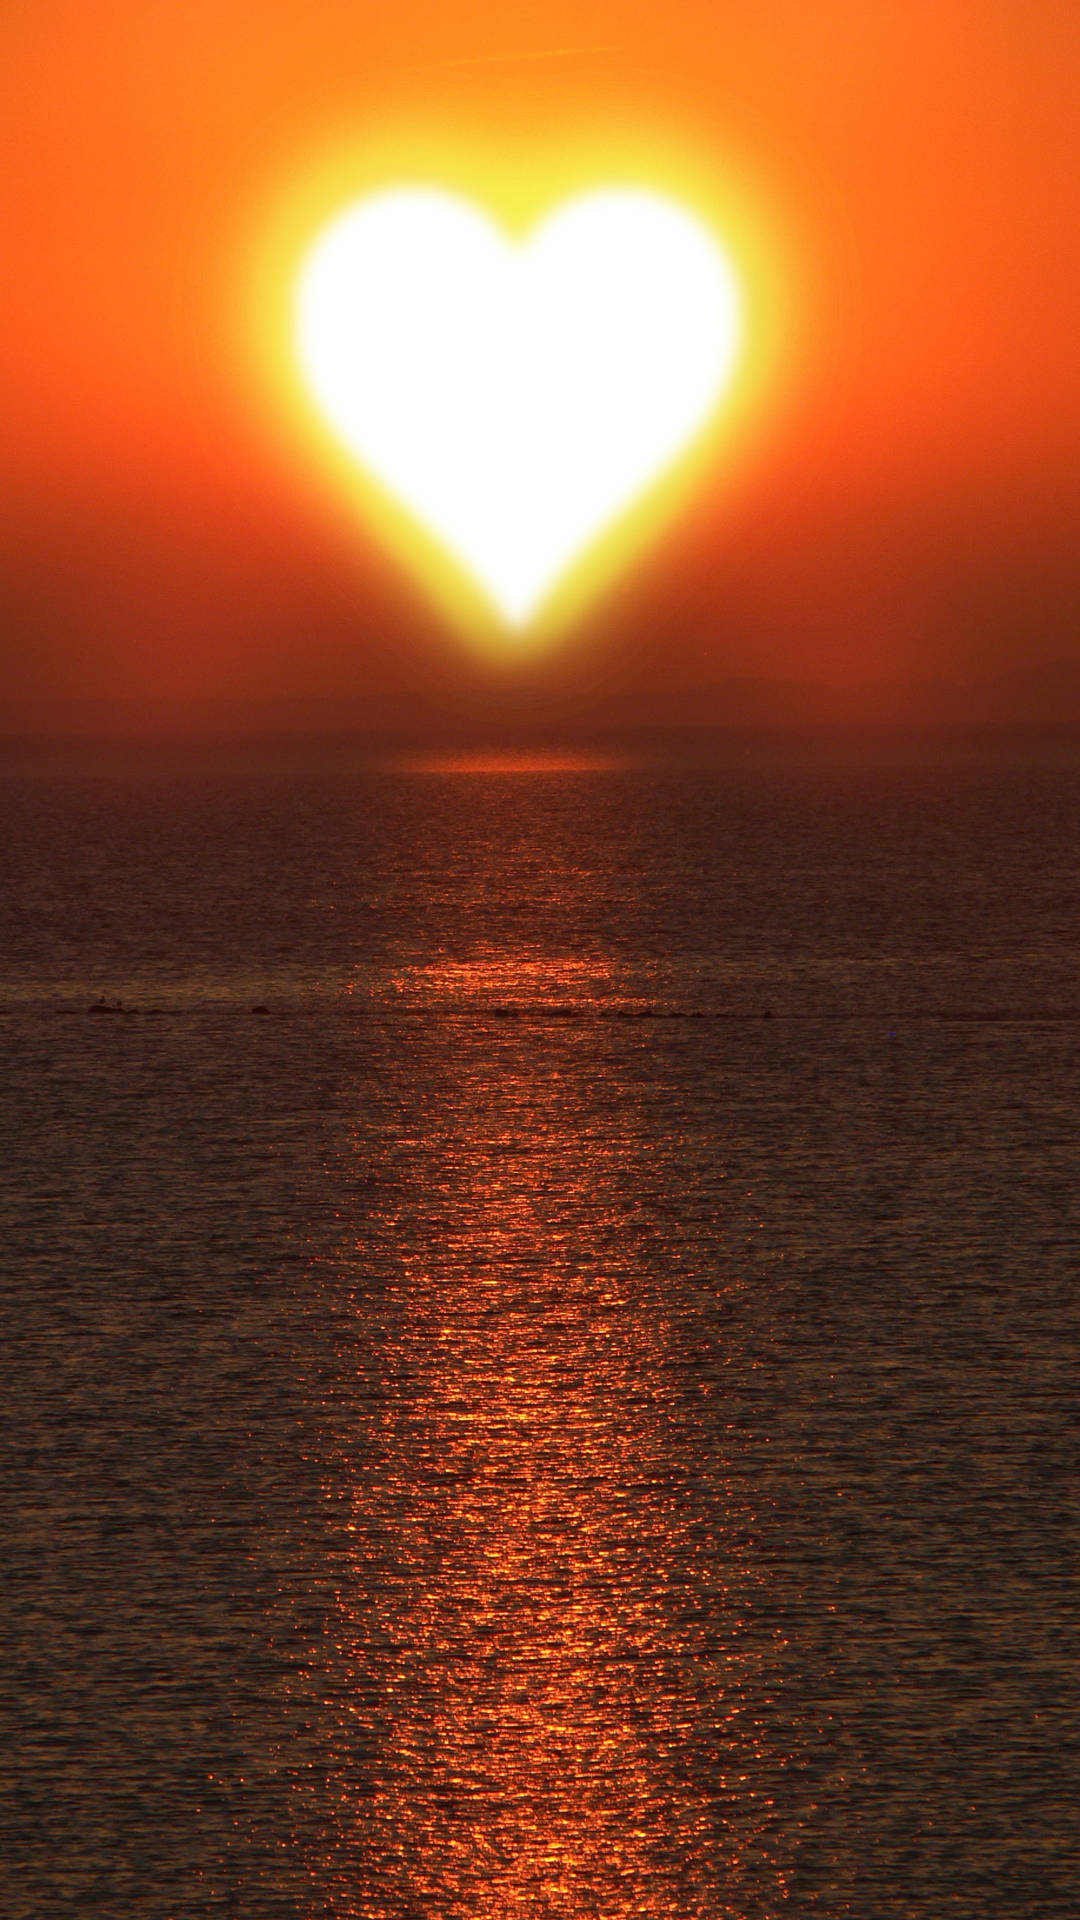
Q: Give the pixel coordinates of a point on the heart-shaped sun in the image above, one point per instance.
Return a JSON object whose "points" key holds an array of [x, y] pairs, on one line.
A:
{"points": [[516, 397]]}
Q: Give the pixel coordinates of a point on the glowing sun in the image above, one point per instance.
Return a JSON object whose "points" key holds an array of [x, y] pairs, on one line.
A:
{"points": [[516, 397]]}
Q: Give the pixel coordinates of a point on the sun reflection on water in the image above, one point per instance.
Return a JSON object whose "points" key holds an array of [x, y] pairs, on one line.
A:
{"points": [[502, 981], [542, 1696]]}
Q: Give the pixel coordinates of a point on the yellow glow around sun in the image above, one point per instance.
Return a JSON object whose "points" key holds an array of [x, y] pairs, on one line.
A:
{"points": [[516, 396], [514, 373]]}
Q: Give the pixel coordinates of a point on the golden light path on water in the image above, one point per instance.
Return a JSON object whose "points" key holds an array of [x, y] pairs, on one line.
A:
{"points": [[570, 1412], [546, 1686]]}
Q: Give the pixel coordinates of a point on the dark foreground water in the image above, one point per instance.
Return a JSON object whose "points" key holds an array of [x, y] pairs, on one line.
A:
{"points": [[572, 1412]]}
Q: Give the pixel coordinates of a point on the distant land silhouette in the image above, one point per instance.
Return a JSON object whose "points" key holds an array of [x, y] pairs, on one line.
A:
{"points": [[1043, 695]]}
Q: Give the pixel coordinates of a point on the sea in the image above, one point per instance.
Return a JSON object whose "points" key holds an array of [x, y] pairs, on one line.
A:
{"points": [[540, 1330]]}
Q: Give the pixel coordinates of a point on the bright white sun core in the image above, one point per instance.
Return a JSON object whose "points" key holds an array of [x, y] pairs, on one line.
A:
{"points": [[516, 396]]}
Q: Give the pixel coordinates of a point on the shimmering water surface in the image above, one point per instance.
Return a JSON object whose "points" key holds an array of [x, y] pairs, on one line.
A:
{"points": [[571, 1412]]}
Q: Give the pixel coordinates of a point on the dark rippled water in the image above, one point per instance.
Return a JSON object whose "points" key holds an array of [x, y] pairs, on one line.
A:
{"points": [[572, 1411]]}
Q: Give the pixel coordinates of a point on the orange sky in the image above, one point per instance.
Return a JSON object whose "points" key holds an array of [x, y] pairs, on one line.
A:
{"points": [[904, 508]]}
